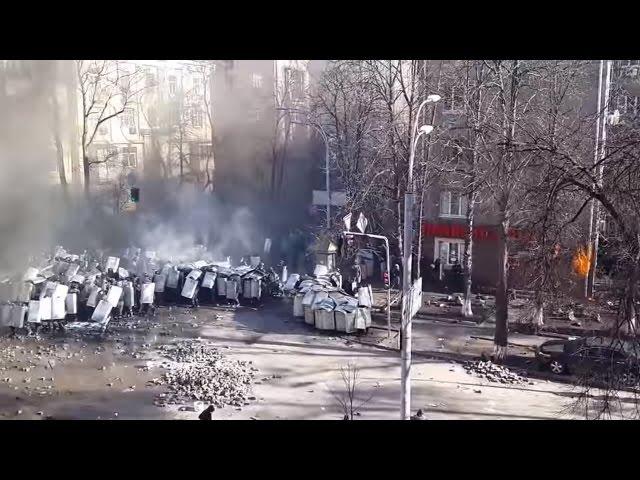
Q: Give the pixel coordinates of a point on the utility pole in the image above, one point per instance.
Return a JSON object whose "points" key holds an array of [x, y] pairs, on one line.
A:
{"points": [[407, 241], [599, 155]]}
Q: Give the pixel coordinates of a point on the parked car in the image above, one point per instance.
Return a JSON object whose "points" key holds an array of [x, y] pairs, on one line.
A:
{"points": [[595, 356]]}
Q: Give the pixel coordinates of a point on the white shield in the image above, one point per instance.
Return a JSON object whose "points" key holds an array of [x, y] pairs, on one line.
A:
{"points": [[93, 295], [72, 270], [129, 299], [199, 264], [189, 288], [320, 270], [146, 293], [112, 263], [160, 280], [113, 296], [58, 299], [172, 278], [221, 286], [5, 315], [45, 308], [24, 292], [194, 274], [48, 289], [18, 313], [70, 303], [231, 290], [209, 279], [101, 312], [34, 312]]}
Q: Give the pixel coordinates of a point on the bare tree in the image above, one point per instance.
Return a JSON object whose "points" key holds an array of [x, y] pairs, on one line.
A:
{"points": [[349, 398], [107, 88]]}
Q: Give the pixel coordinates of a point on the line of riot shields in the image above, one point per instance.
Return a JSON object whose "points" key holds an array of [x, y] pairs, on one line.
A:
{"points": [[87, 291]]}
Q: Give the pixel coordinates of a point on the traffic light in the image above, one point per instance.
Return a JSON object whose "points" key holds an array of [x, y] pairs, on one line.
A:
{"points": [[135, 194]]}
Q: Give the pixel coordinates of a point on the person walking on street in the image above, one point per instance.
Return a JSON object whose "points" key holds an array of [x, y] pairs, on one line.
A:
{"points": [[397, 276], [206, 413]]}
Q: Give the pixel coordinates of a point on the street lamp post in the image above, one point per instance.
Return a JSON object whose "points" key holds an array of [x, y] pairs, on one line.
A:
{"points": [[405, 372]]}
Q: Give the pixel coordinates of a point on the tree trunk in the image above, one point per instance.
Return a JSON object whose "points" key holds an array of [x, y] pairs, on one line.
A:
{"points": [[399, 222], [419, 251], [62, 173], [468, 257], [86, 171], [502, 299], [538, 315]]}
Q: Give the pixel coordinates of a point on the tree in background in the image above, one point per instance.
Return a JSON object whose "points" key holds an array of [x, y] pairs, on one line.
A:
{"points": [[107, 88]]}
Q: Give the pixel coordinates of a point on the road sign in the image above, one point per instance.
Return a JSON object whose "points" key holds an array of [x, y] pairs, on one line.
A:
{"points": [[347, 221], [362, 223], [415, 298]]}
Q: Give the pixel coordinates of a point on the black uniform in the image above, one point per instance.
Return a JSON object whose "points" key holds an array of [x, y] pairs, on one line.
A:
{"points": [[206, 413]]}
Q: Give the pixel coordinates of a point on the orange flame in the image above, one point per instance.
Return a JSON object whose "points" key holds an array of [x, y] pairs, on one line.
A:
{"points": [[582, 261]]}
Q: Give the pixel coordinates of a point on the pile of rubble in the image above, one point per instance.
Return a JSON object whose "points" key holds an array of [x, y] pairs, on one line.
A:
{"points": [[201, 372], [493, 373]]}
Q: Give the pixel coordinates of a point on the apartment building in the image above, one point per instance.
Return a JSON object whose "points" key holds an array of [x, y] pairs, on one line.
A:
{"points": [[444, 225]]}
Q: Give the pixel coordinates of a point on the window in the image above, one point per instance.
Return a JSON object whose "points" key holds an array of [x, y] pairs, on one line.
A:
{"points": [[149, 78], [452, 204], [103, 129], [129, 156], [200, 151], [196, 117], [173, 84], [449, 251], [129, 121], [256, 80], [198, 86], [294, 83]]}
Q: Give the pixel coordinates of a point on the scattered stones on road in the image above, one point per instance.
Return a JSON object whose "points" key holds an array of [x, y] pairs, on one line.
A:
{"points": [[203, 373], [494, 373]]}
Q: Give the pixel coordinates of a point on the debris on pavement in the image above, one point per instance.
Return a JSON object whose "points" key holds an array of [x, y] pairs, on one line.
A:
{"points": [[492, 372], [202, 372]]}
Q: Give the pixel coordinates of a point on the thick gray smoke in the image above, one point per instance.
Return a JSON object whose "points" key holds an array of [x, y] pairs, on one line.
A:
{"points": [[171, 218], [27, 203]]}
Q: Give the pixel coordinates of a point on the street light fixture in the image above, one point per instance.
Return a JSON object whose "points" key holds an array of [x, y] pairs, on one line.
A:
{"points": [[406, 283]]}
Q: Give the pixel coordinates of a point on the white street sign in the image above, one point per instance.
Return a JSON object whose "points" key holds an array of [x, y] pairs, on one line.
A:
{"points": [[362, 223], [347, 221], [415, 298]]}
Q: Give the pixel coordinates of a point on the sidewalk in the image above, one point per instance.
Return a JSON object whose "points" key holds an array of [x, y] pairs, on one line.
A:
{"points": [[440, 332]]}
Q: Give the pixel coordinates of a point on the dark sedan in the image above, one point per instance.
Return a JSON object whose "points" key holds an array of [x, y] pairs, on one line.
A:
{"points": [[598, 357]]}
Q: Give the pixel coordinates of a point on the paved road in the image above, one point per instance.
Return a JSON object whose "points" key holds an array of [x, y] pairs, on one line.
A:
{"points": [[306, 364]]}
